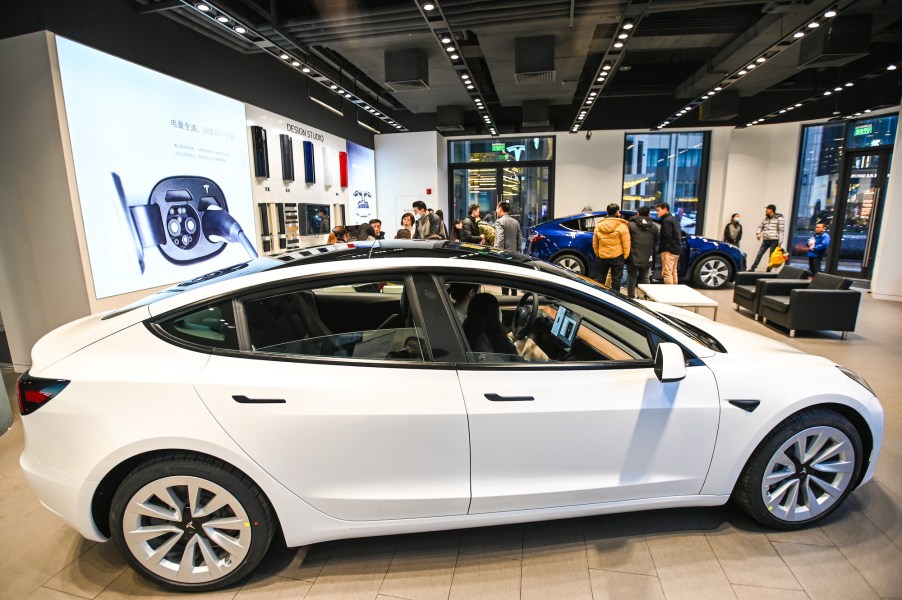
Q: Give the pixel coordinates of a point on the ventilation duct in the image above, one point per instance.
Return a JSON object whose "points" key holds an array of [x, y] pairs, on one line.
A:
{"points": [[534, 59], [846, 39], [721, 107], [449, 119], [406, 70], [535, 114]]}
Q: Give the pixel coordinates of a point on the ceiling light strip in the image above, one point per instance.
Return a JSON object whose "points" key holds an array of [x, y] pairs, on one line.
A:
{"points": [[831, 90], [610, 62], [444, 36], [781, 45], [243, 30]]}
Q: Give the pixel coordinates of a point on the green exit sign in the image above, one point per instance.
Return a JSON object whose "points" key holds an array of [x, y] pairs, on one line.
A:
{"points": [[500, 147], [864, 130]]}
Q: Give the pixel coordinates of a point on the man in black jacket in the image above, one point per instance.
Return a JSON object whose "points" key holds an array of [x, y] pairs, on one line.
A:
{"points": [[643, 239], [469, 230], [671, 245]]}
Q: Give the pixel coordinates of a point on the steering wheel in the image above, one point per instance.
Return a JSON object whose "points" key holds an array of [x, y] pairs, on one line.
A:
{"points": [[525, 315]]}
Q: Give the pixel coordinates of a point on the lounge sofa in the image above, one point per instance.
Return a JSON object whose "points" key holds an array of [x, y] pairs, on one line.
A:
{"points": [[826, 303], [752, 286]]}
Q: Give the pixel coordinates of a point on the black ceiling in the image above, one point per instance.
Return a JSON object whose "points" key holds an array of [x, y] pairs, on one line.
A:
{"points": [[678, 51]]}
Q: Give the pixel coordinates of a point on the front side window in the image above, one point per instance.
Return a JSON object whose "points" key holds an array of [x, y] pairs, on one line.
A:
{"points": [[507, 325], [368, 320]]}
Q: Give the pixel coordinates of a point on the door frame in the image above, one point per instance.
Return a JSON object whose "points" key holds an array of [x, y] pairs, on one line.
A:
{"points": [[839, 212]]}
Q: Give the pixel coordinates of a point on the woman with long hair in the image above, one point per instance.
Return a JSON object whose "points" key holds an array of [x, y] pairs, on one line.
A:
{"points": [[339, 234], [456, 229], [732, 233], [365, 232]]}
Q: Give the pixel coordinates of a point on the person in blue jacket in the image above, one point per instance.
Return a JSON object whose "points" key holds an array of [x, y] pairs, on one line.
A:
{"points": [[817, 247]]}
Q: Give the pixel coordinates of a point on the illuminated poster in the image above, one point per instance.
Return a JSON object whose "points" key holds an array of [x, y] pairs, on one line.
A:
{"points": [[162, 171], [361, 184]]}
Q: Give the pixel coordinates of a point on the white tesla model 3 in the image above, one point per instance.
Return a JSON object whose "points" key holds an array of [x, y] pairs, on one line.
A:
{"points": [[390, 387]]}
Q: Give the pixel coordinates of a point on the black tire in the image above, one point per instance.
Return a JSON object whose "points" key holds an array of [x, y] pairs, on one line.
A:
{"points": [[798, 504], [712, 272], [180, 557], [571, 262]]}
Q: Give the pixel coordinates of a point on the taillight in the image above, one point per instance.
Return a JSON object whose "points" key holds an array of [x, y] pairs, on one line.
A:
{"points": [[35, 392], [537, 238]]}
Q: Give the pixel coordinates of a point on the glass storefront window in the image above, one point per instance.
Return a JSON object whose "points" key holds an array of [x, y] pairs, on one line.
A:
{"points": [[502, 150], [667, 167]]}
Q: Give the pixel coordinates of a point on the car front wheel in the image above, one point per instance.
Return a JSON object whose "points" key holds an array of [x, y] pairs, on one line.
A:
{"points": [[802, 471], [191, 523], [572, 263], [712, 273]]}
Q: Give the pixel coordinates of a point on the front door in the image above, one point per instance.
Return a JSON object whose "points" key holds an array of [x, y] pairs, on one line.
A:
{"points": [[856, 217]]}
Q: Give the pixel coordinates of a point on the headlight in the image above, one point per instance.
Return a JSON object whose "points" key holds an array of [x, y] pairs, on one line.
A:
{"points": [[856, 378]]}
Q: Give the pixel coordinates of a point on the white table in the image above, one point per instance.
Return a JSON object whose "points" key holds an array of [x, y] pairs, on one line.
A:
{"points": [[678, 295]]}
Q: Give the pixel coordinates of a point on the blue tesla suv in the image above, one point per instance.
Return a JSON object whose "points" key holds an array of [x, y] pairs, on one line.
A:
{"points": [[567, 242]]}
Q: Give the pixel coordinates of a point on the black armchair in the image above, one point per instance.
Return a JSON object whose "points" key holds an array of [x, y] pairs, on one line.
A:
{"points": [[825, 303], [752, 286]]}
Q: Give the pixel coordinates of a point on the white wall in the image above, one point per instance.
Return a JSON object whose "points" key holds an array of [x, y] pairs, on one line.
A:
{"points": [[887, 280], [42, 280], [407, 164]]}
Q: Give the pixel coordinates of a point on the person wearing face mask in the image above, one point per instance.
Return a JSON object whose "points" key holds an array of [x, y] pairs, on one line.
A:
{"points": [[732, 233]]}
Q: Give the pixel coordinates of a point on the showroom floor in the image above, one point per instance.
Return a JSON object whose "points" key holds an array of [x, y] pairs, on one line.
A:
{"points": [[697, 553]]}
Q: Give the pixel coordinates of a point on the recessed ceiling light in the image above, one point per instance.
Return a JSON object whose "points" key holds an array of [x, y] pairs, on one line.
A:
{"points": [[580, 117], [429, 6], [867, 110], [607, 67], [813, 25], [454, 57], [601, 78], [464, 76], [446, 39], [749, 124], [891, 68], [588, 102], [837, 89], [717, 89], [827, 93], [347, 94], [623, 36], [830, 14], [222, 19], [284, 56], [629, 24], [798, 34], [782, 111], [850, 84], [798, 105], [593, 94], [202, 7], [666, 122], [333, 87], [295, 63], [240, 29], [305, 70], [858, 114], [450, 48], [742, 72], [751, 66], [470, 86], [618, 44]]}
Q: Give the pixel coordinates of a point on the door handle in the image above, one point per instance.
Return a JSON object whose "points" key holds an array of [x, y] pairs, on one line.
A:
{"points": [[246, 400], [497, 398]]}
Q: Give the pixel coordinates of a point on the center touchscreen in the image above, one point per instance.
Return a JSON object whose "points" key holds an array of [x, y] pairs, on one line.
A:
{"points": [[566, 324]]}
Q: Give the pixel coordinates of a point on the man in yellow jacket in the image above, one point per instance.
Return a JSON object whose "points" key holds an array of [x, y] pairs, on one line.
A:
{"points": [[611, 244]]}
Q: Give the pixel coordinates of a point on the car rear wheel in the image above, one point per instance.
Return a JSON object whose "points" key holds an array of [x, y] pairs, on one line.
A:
{"points": [[572, 263], [191, 523], [802, 471], [712, 272]]}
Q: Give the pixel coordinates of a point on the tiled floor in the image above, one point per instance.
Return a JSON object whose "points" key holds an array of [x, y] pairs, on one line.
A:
{"points": [[697, 553]]}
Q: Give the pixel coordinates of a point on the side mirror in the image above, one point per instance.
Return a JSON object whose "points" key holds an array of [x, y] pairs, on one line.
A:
{"points": [[670, 364]]}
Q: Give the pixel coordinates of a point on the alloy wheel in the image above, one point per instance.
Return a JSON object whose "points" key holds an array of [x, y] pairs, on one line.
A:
{"points": [[808, 474], [186, 529], [714, 273], [570, 263]]}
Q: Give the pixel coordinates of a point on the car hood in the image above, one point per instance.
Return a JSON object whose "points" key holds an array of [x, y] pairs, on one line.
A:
{"points": [[737, 342]]}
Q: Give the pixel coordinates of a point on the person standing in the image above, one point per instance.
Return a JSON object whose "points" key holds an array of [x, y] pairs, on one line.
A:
{"points": [[770, 232], [817, 247], [671, 244], [469, 227], [611, 243], [507, 235], [644, 235], [732, 233], [324, 224], [427, 223]]}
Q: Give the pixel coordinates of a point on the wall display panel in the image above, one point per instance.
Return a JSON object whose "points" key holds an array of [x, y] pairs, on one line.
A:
{"points": [[260, 152], [309, 163], [162, 172], [361, 184], [287, 147]]}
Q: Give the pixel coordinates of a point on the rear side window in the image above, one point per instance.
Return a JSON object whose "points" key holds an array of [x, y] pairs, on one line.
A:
{"points": [[212, 325]]}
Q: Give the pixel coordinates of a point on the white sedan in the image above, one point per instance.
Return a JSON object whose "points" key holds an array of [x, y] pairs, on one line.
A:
{"points": [[392, 387]]}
